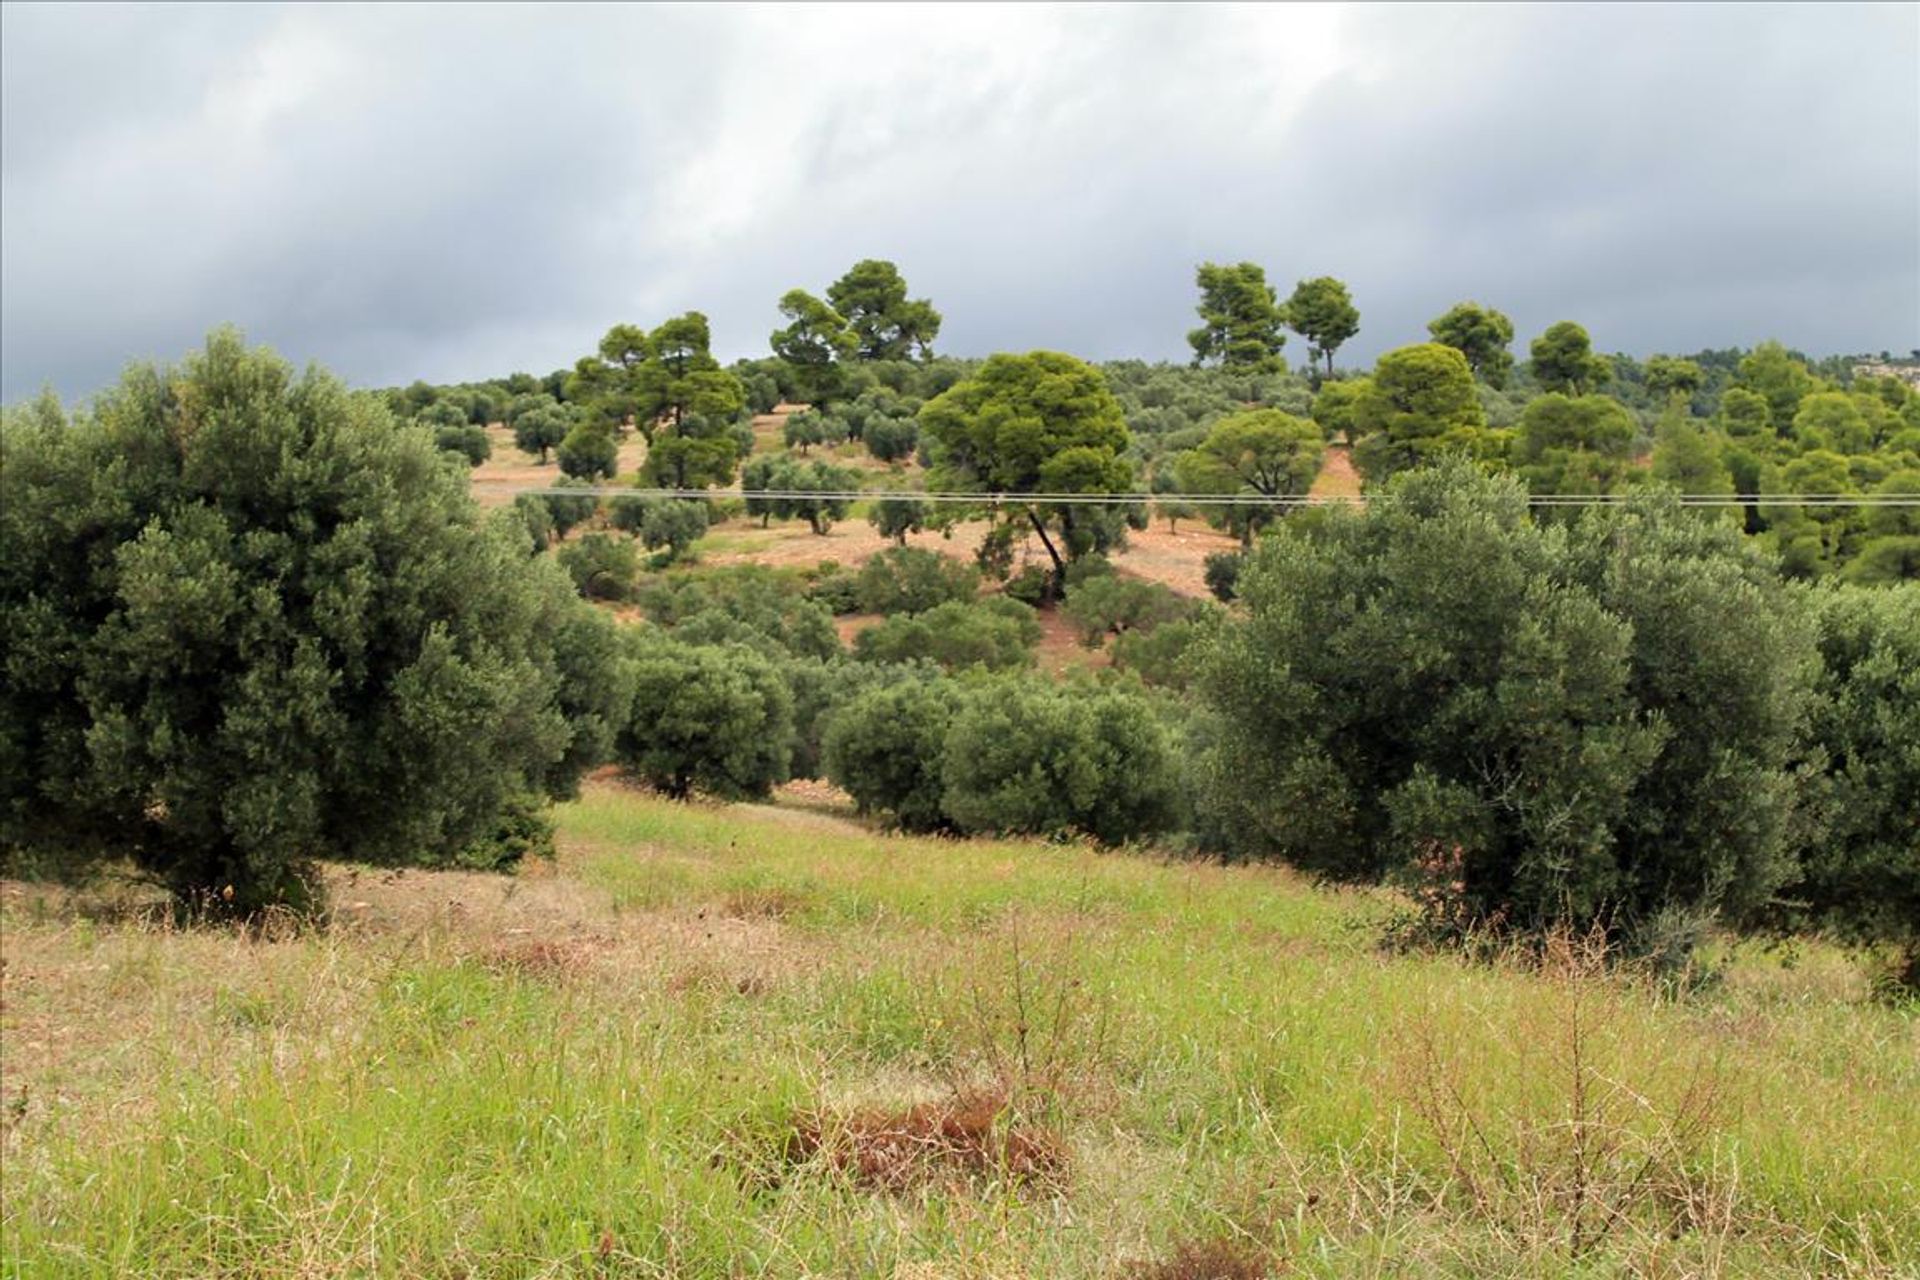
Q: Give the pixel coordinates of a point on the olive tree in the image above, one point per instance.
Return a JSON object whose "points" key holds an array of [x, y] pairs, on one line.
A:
{"points": [[713, 718], [252, 623], [1539, 725], [1860, 877]]}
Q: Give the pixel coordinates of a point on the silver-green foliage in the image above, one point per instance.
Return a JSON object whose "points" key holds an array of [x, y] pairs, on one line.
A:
{"points": [[1545, 725], [251, 623]]}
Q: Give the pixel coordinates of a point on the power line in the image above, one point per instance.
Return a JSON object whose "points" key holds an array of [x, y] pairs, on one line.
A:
{"points": [[1202, 500]]}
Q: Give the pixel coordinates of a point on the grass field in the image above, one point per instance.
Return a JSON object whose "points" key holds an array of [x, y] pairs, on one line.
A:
{"points": [[762, 1041]]}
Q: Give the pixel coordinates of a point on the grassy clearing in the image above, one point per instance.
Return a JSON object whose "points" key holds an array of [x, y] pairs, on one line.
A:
{"points": [[763, 1041]]}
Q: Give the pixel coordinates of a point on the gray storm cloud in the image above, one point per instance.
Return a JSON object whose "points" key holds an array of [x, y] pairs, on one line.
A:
{"points": [[458, 193]]}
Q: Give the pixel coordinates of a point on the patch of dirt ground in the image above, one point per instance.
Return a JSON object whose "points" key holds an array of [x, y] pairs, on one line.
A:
{"points": [[508, 471]]}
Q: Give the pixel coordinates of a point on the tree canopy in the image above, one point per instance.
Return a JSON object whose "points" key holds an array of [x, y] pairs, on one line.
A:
{"points": [[1419, 403], [1481, 334], [1241, 318], [1322, 311], [1563, 360], [253, 623], [1263, 451], [815, 344], [1039, 423], [872, 297]]}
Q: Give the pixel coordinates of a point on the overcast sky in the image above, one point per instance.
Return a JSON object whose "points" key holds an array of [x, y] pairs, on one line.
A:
{"points": [[455, 193]]}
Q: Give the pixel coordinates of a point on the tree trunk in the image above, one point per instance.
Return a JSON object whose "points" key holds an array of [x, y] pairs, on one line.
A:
{"points": [[1059, 565]]}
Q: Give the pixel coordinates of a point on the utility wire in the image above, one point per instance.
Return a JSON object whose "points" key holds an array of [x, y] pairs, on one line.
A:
{"points": [[1201, 499]]}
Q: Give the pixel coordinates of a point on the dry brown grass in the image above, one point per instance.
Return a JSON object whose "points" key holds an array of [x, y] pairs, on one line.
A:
{"points": [[968, 1135], [508, 471], [1220, 1258], [1337, 478]]}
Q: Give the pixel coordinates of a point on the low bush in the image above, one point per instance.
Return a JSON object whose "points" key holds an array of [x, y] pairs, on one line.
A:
{"points": [[712, 718], [1162, 656], [1582, 725], [912, 580], [469, 442], [1222, 569], [885, 748], [602, 567], [1030, 757], [746, 604], [1112, 605], [954, 635]]}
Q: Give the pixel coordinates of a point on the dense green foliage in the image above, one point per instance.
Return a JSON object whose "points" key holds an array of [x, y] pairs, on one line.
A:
{"points": [[1008, 755], [602, 567], [1563, 360], [1481, 334], [1548, 727], [1264, 452], [795, 490], [1112, 605], [1861, 873], [886, 748], [1023, 756], [1241, 318], [1418, 406], [717, 717], [895, 515], [912, 580], [996, 633], [1039, 423], [252, 622], [1322, 311], [872, 296], [815, 346]]}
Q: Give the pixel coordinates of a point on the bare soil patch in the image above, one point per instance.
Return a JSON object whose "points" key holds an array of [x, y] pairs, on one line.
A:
{"points": [[1337, 478], [508, 471]]}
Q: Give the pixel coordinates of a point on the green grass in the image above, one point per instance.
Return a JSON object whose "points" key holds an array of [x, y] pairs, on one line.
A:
{"points": [[600, 1069]]}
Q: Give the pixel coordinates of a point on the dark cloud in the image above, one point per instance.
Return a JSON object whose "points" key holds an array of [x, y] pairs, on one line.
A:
{"points": [[454, 193]]}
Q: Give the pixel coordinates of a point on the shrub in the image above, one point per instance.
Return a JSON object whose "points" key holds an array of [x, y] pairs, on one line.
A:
{"points": [[885, 748], [895, 516], [821, 689], [589, 453], [1027, 757], [469, 442], [804, 429], [1112, 605], [1860, 877], [748, 604], [954, 635], [1162, 656], [602, 567], [891, 439], [250, 624], [671, 523], [713, 718], [912, 580], [538, 426], [1032, 586], [535, 520], [837, 591], [569, 512], [1441, 682], [1222, 569]]}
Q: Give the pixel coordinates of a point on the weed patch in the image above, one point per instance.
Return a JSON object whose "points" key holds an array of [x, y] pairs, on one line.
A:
{"points": [[969, 1136], [1218, 1258]]}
